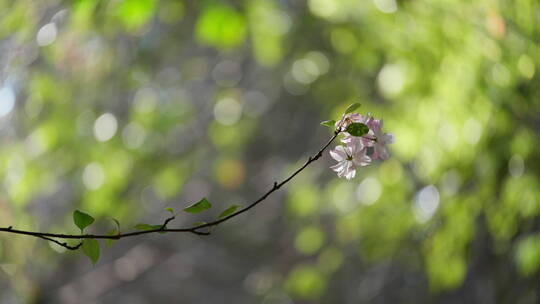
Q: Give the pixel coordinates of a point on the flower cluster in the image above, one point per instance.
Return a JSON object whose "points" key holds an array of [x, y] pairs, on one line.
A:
{"points": [[358, 151]]}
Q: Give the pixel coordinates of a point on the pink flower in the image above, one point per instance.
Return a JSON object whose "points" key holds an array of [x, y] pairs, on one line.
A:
{"points": [[367, 140], [380, 150], [375, 138], [349, 157], [348, 119], [359, 150]]}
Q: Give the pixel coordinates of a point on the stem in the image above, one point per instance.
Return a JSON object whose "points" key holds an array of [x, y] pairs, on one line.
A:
{"points": [[193, 229]]}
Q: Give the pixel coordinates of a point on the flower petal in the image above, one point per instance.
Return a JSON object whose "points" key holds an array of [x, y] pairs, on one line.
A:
{"points": [[338, 154], [338, 167], [383, 153], [363, 161], [388, 138], [350, 174]]}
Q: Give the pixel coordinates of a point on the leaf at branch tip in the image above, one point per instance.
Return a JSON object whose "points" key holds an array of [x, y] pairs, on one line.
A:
{"points": [[171, 210], [82, 220], [352, 107], [199, 206], [329, 123], [357, 129], [228, 211], [109, 242], [90, 247]]}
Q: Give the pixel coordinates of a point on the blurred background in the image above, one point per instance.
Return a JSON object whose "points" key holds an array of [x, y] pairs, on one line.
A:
{"points": [[123, 108]]}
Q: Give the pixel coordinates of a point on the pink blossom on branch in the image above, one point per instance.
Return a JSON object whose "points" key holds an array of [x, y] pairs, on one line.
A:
{"points": [[348, 119], [359, 151], [349, 157], [380, 150]]}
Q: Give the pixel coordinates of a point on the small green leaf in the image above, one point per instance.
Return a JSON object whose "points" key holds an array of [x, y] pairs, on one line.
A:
{"points": [[90, 247], [352, 107], [82, 220], [228, 211], [109, 242], [199, 206], [117, 223], [210, 228], [357, 129], [171, 210], [329, 123], [143, 226]]}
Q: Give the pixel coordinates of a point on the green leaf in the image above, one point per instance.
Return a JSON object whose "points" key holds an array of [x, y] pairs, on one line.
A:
{"points": [[90, 247], [82, 220], [210, 228], [117, 223], [352, 107], [228, 211], [329, 123], [171, 210], [357, 129], [199, 206], [143, 226], [109, 242]]}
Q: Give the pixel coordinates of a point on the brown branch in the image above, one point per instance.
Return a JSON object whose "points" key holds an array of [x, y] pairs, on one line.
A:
{"points": [[193, 229]]}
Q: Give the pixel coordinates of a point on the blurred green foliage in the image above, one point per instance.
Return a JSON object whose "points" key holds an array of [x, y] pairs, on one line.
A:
{"points": [[122, 108]]}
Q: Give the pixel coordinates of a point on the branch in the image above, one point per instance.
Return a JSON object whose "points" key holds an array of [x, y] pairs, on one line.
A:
{"points": [[163, 228], [63, 244]]}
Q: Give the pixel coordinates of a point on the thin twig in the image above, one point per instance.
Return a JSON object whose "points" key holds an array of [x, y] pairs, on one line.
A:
{"points": [[63, 244], [164, 226], [193, 229]]}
